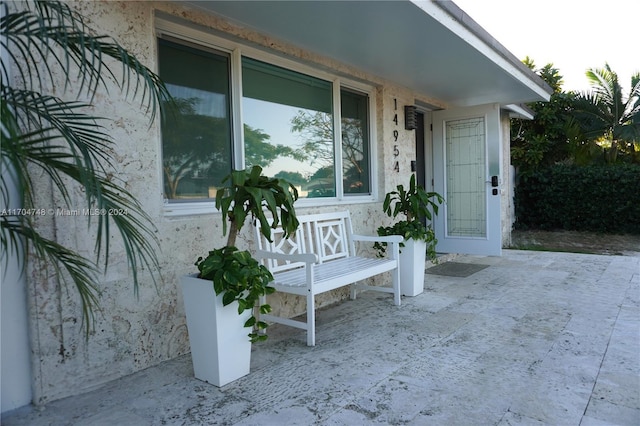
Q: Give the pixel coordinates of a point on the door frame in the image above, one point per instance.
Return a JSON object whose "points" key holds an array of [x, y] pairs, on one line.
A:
{"points": [[424, 151], [491, 244]]}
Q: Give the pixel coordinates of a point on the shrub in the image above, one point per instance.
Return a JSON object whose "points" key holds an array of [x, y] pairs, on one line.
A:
{"points": [[590, 198]]}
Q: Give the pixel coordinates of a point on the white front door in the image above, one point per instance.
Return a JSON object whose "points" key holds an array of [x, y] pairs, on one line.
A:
{"points": [[467, 151]]}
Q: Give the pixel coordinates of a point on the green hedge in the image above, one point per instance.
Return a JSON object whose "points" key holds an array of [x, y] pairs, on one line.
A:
{"points": [[581, 198]]}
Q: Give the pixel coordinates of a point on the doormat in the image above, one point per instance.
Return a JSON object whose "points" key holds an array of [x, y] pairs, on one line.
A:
{"points": [[456, 269]]}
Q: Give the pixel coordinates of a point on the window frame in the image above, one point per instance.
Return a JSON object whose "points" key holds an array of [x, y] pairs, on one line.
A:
{"points": [[177, 32]]}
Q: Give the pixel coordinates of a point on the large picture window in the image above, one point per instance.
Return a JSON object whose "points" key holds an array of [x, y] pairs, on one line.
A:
{"points": [[310, 130], [196, 131]]}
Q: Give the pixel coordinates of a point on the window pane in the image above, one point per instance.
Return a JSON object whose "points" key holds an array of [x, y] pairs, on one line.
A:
{"points": [[288, 126], [196, 134], [355, 142]]}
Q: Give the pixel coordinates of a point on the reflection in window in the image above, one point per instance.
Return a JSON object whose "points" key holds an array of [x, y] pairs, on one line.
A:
{"points": [[288, 125], [196, 131], [355, 142]]}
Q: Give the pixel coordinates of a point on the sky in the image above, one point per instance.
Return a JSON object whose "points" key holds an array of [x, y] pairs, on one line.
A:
{"points": [[574, 35]]}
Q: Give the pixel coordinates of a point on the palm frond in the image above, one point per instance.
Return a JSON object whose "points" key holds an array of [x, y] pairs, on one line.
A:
{"points": [[81, 155], [44, 119], [50, 34], [43, 132], [605, 111], [634, 102], [113, 203], [67, 264]]}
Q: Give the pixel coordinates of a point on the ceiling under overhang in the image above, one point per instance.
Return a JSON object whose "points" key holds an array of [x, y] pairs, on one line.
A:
{"points": [[432, 48]]}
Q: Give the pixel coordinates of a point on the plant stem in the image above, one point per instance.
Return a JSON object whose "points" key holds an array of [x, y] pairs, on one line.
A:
{"points": [[233, 233]]}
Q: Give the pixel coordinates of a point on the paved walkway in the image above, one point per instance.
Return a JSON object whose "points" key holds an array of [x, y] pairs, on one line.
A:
{"points": [[536, 338]]}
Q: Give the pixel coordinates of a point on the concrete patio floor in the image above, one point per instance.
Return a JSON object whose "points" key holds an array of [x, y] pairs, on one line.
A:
{"points": [[536, 338]]}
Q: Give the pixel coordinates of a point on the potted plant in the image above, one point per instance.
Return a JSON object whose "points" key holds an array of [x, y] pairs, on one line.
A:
{"points": [[224, 296], [419, 242]]}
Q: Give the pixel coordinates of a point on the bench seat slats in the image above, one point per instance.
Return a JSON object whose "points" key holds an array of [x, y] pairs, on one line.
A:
{"points": [[336, 273], [321, 257]]}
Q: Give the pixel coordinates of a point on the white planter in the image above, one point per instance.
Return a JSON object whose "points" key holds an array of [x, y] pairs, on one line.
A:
{"points": [[220, 347], [412, 261]]}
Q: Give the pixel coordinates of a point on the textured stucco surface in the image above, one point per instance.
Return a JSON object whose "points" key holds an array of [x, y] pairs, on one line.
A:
{"points": [[133, 332]]}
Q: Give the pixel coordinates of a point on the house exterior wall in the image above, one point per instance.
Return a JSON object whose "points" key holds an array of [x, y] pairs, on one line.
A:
{"points": [[133, 332]]}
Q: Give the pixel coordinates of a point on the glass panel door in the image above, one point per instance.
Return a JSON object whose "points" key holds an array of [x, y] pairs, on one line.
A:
{"points": [[466, 159], [467, 153]]}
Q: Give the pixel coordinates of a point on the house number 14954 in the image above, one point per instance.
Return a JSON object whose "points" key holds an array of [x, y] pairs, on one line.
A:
{"points": [[396, 151]]}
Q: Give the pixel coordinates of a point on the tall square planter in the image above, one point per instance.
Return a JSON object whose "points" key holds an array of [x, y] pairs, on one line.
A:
{"points": [[220, 347], [412, 262]]}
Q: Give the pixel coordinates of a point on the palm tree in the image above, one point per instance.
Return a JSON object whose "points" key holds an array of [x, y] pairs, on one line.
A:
{"points": [[44, 133], [605, 114]]}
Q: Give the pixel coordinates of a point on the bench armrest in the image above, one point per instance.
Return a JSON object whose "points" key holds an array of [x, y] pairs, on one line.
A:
{"points": [[384, 239], [298, 257], [393, 241]]}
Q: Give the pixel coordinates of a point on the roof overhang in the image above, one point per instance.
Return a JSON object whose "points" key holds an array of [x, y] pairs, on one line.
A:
{"points": [[520, 111], [430, 47]]}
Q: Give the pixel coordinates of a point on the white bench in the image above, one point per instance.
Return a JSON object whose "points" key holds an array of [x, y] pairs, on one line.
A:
{"points": [[320, 257]]}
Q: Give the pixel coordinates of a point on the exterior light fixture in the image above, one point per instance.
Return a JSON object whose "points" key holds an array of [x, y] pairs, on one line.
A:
{"points": [[410, 117]]}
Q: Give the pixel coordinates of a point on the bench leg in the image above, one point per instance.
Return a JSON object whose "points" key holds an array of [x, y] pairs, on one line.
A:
{"points": [[354, 291], [395, 276], [311, 320]]}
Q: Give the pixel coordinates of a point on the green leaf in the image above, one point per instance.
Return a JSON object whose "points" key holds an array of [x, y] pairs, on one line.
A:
{"points": [[228, 297], [255, 174], [265, 309], [255, 337], [230, 277]]}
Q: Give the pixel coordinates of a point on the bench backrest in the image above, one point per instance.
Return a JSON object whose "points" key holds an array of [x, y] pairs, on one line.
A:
{"points": [[328, 235]]}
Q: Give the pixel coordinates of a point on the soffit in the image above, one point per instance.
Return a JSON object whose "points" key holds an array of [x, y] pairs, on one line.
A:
{"points": [[432, 48]]}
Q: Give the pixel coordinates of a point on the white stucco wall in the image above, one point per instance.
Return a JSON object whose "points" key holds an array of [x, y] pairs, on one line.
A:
{"points": [[15, 363], [132, 333]]}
